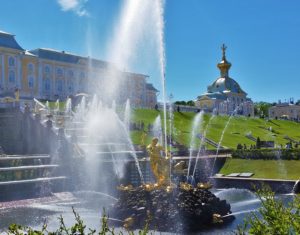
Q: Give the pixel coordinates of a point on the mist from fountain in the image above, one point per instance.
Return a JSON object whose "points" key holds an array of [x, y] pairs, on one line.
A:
{"points": [[197, 122], [103, 133], [114, 106]]}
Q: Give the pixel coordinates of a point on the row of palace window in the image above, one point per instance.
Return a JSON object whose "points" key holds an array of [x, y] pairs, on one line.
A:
{"points": [[12, 79], [60, 85], [60, 73], [47, 69]]}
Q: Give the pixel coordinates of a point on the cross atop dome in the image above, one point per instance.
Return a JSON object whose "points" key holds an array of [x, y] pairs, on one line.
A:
{"points": [[224, 47]]}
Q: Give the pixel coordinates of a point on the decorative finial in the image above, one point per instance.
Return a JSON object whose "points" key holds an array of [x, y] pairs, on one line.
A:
{"points": [[224, 65], [223, 51]]}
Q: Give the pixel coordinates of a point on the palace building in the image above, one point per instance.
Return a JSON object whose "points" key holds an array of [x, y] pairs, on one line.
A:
{"points": [[225, 96], [49, 74]]}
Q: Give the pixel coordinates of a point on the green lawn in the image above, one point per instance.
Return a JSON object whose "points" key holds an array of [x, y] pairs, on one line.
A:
{"points": [[272, 169], [235, 132]]}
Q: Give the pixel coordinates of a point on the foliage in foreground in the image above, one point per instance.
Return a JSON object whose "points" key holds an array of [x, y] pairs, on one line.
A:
{"points": [[273, 217], [79, 228]]}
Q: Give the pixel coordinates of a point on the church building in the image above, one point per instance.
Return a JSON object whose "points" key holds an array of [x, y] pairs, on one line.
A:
{"points": [[225, 96]]}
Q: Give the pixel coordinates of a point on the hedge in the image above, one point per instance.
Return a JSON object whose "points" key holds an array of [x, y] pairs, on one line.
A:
{"points": [[267, 154]]}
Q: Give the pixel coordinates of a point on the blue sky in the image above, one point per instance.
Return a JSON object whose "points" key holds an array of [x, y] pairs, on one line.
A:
{"points": [[263, 39]]}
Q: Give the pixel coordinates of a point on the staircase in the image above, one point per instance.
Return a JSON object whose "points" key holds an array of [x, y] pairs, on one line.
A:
{"points": [[26, 176], [250, 137], [291, 140], [211, 142]]}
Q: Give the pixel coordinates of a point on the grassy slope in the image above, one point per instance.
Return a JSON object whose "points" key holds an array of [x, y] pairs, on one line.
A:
{"points": [[235, 133], [272, 169]]}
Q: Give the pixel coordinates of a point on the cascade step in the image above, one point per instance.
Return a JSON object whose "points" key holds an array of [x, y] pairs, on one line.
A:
{"points": [[23, 157], [31, 188], [19, 168], [36, 180]]}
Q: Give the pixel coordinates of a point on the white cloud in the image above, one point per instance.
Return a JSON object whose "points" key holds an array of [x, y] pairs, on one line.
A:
{"points": [[77, 6]]}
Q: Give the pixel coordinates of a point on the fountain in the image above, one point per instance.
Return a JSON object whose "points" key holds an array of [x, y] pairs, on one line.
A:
{"points": [[127, 115], [202, 141], [189, 208], [157, 129], [68, 106], [195, 129], [56, 106]]}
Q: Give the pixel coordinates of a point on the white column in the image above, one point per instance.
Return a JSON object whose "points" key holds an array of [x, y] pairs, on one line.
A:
{"points": [[2, 68], [40, 79], [3, 72], [19, 72], [53, 81]]}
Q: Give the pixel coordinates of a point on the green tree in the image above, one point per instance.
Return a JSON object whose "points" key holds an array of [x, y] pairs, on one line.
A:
{"points": [[261, 109], [190, 103]]}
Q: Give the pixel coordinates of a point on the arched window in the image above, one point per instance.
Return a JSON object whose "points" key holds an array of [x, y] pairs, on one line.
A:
{"points": [[47, 84], [47, 70], [82, 75], [59, 72], [11, 61], [71, 74], [81, 84], [30, 82], [59, 86], [30, 69], [71, 87], [11, 76]]}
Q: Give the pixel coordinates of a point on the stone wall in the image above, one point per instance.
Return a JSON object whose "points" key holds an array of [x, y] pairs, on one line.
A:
{"points": [[22, 133]]}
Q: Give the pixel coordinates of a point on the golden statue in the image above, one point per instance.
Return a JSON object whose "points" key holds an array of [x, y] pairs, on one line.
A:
{"points": [[160, 165]]}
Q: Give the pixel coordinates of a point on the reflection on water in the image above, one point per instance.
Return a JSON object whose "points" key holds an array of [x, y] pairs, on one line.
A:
{"points": [[34, 212]]}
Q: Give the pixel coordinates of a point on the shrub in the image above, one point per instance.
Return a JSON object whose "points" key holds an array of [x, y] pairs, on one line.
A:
{"points": [[273, 217], [79, 228]]}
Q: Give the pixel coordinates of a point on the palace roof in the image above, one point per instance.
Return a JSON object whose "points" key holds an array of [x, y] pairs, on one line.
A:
{"points": [[149, 86], [8, 40], [62, 56]]}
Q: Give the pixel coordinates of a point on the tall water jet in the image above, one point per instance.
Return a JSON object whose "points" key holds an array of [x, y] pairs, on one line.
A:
{"points": [[197, 121], [127, 115], [157, 129], [47, 106], [68, 106], [56, 106], [159, 10], [202, 140], [221, 138]]}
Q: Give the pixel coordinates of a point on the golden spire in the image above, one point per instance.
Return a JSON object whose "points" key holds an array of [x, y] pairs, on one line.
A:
{"points": [[224, 65]]}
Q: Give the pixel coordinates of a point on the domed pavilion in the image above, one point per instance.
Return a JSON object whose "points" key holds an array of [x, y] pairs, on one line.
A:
{"points": [[225, 96]]}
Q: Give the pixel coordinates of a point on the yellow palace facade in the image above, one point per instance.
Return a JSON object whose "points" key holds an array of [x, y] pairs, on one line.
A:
{"points": [[49, 74]]}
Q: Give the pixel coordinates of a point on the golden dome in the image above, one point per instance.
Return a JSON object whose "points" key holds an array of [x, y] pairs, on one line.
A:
{"points": [[224, 65]]}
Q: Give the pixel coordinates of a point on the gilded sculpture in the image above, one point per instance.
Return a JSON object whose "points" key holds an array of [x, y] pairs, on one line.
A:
{"points": [[160, 165]]}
